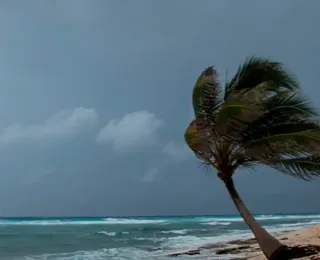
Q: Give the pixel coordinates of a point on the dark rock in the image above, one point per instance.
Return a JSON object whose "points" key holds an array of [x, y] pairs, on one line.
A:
{"points": [[235, 242], [248, 241], [213, 246], [231, 250], [151, 249], [287, 252], [191, 252]]}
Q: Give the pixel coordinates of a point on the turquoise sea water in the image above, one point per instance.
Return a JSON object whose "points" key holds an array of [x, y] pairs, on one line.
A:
{"points": [[127, 238]]}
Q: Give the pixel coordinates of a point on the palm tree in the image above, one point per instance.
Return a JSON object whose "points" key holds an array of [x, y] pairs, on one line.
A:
{"points": [[260, 118]]}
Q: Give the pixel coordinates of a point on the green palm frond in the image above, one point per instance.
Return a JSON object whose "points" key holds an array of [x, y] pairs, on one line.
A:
{"points": [[234, 115], [206, 97], [290, 103], [256, 71], [275, 146], [268, 129], [281, 113], [197, 138], [305, 168], [302, 137], [254, 95]]}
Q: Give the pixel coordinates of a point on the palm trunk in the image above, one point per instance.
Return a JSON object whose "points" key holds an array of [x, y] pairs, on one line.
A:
{"points": [[268, 244]]}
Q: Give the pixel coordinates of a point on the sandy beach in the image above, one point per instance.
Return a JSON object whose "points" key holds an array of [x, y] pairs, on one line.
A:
{"points": [[249, 249], [303, 236]]}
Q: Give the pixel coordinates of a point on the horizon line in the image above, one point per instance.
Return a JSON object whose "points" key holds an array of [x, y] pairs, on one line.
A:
{"points": [[160, 216]]}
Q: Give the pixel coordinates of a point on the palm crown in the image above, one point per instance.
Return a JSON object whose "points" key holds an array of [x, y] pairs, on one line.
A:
{"points": [[260, 118]]}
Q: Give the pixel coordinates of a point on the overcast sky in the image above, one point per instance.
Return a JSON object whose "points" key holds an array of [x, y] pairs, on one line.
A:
{"points": [[95, 96]]}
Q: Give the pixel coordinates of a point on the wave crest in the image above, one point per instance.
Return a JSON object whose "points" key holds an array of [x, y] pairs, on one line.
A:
{"points": [[110, 234]]}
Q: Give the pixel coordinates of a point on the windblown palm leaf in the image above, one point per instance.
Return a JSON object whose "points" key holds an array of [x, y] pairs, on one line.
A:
{"points": [[257, 72], [198, 139], [234, 115], [206, 95], [305, 168], [279, 110]]}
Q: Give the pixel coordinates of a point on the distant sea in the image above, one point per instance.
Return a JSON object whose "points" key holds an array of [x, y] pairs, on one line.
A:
{"points": [[127, 238]]}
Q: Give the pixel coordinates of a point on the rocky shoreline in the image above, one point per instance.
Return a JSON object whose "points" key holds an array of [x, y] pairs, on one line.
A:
{"points": [[233, 247], [308, 239]]}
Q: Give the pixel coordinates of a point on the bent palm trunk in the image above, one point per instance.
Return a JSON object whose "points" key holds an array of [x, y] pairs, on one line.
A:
{"points": [[268, 244]]}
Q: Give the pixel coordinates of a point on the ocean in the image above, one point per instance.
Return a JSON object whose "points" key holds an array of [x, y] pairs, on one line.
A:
{"points": [[127, 238]]}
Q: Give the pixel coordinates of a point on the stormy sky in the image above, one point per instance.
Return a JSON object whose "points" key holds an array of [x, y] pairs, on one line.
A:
{"points": [[95, 96]]}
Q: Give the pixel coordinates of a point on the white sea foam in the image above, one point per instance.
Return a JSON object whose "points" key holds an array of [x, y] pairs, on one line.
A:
{"points": [[290, 226], [300, 224], [258, 217], [46, 222], [153, 239], [277, 217], [110, 234], [119, 254], [278, 228], [133, 221], [215, 223], [111, 253], [183, 243], [180, 231], [116, 254], [107, 221]]}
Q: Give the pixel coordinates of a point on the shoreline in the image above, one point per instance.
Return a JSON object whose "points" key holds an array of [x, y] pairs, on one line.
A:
{"points": [[247, 248]]}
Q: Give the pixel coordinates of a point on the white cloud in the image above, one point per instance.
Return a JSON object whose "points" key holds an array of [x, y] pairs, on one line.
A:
{"points": [[138, 129], [62, 124], [150, 175], [176, 152]]}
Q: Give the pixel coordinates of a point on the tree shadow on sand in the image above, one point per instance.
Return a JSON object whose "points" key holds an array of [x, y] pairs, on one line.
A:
{"points": [[287, 252]]}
